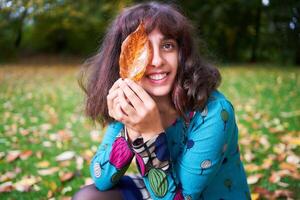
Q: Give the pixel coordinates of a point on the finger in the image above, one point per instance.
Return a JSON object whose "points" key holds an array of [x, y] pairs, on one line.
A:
{"points": [[115, 85], [141, 93], [131, 96], [125, 105], [111, 97], [120, 115]]}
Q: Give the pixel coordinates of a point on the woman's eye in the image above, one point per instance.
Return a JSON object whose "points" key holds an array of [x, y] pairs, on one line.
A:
{"points": [[168, 46]]}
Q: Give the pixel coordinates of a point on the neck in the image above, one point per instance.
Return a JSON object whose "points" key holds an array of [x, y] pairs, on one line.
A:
{"points": [[165, 105], [166, 109]]}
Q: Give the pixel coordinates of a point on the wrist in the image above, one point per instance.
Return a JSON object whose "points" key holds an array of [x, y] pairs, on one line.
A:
{"points": [[131, 135]]}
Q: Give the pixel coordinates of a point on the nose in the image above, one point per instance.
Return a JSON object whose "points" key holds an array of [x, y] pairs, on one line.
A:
{"points": [[157, 59]]}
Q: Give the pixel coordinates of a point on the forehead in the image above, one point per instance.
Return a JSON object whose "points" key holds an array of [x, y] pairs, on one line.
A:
{"points": [[158, 35]]}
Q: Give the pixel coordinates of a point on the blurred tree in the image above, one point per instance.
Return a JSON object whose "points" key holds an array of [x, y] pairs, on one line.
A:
{"points": [[234, 30]]}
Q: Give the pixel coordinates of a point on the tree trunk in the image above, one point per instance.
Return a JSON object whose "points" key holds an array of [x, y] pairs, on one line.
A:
{"points": [[20, 29], [257, 34]]}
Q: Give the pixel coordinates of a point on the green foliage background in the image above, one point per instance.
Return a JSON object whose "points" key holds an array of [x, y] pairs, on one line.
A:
{"points": [[232, 30]]}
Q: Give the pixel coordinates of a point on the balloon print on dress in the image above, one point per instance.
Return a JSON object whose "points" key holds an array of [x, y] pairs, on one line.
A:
{"points": [[116, 176], [97, 168], [205, 165], [179, 195], [161, 149], [158, 182], [120, 154], [228, 183], [141, 164], [225, 117]]}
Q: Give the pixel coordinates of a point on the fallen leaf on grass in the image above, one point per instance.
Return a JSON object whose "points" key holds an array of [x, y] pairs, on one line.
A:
{"points": [[288, 166], [65, 163], [253, 178], [283, 193], [39, 154], [2, 155], [66, 176], [25, 154], [252, 167], [49, 171], [12, 155], [275, 177], [87, 155], [293, 159], [268, 162], [26, 183], [64, 135], [9, 175], [79, 162], [50, 194], [66, 189], [6, 187], [43, 164], [67, 155], [263, 192], [254, 196]]}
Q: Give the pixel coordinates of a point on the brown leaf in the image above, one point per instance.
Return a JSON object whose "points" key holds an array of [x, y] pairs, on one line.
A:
{"points": [[12, 155], [50, 194], [26, 183], [43, 164], [49, 171], [39, 154], [6, 187], [288, 166], [66, 176], [67, 155], [255, 196], [64, 135], [252, 167], [9, 175], [263, 192], [253, 178], [275, 177], [136, 54], [283, 193], [25, 154]]}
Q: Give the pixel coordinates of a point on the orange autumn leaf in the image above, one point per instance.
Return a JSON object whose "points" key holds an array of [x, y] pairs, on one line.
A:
{"points": [[25, 154], [288, 166], [66, 176], [136, 54], [12, 155]]}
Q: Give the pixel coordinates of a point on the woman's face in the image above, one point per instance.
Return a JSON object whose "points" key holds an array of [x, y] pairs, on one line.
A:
{"points": [[160, 74]]}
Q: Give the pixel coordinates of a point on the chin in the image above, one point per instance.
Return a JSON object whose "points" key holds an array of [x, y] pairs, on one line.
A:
{"points": [[159, 92]]}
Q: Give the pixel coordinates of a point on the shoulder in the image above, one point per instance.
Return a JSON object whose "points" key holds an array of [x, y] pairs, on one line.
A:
{"points": [[217, 108]]}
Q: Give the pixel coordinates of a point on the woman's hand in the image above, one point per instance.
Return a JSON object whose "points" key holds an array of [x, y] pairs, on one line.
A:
{"points": [[115, 111], [138, 110]]}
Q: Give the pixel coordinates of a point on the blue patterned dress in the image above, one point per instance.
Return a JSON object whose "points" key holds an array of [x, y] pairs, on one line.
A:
{"points": [[199, 160]]}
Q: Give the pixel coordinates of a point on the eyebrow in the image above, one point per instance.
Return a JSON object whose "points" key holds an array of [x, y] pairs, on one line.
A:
{"points": [[168, 38]]}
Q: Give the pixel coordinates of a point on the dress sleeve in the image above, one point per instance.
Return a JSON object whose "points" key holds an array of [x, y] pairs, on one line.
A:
{"points": [[203, 153], [112, 158]]}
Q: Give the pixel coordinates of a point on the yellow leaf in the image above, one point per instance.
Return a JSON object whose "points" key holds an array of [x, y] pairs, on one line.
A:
{"points": [[254, 196]]}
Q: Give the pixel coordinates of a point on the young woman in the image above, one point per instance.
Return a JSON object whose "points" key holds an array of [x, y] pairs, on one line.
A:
{"points": [[179, 127]]}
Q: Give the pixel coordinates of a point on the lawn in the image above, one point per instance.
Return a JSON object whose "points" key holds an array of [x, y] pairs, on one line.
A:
{"points": [[46, 143]]}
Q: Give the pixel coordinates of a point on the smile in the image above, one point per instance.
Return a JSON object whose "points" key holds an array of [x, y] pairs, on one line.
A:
{"points": [[157, 77]]}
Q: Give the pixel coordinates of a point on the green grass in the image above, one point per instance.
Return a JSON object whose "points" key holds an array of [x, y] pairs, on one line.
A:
{"points": [[39, 102]]}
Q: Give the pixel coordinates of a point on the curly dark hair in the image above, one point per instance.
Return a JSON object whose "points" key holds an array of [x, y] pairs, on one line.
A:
{"points": [[195, 80]]}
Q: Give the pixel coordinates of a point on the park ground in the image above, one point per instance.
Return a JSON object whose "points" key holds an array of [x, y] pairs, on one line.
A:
{"points": [[46, 143]]}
